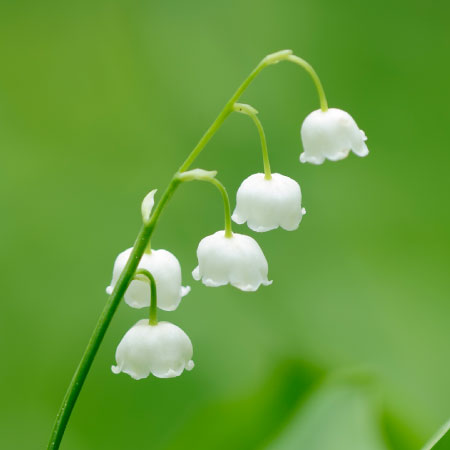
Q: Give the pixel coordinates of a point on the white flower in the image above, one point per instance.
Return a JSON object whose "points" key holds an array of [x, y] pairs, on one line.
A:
{"points": [[237, 260], [166, 270], [164, 350], [331, 135], [267, 204]]}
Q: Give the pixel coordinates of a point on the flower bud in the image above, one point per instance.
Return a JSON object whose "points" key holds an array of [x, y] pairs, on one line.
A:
{"points": [[147, 205], [237, 260], [331, 134], [166, 270], [268, 204], [163, 349]]}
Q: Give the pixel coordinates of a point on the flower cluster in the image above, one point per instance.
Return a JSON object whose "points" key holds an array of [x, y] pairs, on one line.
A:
{"points": [[146, 277], [265, 201]]}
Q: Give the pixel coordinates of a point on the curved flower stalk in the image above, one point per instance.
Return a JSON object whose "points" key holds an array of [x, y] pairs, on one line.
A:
{"points": [[237, 260], [267, 201], [331, 134], [210, 177], [162, 348], [268, 204], [167, 272]]}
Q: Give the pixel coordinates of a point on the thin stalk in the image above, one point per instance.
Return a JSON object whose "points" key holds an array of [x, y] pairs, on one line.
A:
{"points": [[302, 63], [153, 297], [226, 206], [223, 192], [252, 113]]}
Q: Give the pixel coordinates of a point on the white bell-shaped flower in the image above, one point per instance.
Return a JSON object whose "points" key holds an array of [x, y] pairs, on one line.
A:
{"points": [[166, 270], [237, 260], [268, 204], [331, 134], [163, 349]]}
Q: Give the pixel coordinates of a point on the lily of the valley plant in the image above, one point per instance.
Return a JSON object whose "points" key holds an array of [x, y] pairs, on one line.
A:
{"points": [[150, 278]]}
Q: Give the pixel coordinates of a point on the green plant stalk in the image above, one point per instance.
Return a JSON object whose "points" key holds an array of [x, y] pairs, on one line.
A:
{"points": [[226, 206], [252, 113], [225, 198], [139, 248], [305, 65], [153, 296]]}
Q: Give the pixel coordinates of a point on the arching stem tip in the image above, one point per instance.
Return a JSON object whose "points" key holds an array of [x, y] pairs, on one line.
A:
{"points": [[196, 175], [276, 57], [244, 109]]}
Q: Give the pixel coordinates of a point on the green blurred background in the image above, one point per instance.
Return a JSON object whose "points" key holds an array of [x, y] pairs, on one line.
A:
{"points": [[100, 101]]}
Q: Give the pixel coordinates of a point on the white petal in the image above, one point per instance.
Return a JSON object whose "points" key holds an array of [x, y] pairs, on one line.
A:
{"points": [[359, 146], [237, 218], [184, 290], [313, 159], [331, 134], [190, 365], [196, 274], [163, 350], [237, 260]]}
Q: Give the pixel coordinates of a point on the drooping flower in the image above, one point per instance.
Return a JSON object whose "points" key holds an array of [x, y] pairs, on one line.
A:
{"points": [[267, 204], [163, 349], [236, 260], [166, 270], [331, 134]]}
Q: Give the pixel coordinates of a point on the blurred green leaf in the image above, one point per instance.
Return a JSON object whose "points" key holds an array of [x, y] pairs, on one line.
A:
{"points": [[341, 414], [252, 421], [400, 435], [298, 407]]}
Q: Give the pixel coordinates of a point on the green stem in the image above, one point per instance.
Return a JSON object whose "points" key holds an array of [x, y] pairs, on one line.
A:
{"points": [[274, 58], [302, 63], [251, 112], [153, 298], [226, 205], [140, 245], [223, 192]]}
